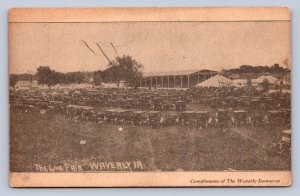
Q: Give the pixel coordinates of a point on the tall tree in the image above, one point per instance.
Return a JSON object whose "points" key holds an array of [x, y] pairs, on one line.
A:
{"points": [[46, 76], [127, 69]]}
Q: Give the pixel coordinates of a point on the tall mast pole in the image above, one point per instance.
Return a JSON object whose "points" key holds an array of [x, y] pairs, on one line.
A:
{"points": [[104, 54], [88, 47]]}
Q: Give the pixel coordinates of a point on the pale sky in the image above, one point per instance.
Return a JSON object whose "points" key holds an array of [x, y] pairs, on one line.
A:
{"points": [[159, 46]]}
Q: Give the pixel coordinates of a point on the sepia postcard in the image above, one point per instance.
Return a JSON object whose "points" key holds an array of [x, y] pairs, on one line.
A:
{"points": [[150, 97]]}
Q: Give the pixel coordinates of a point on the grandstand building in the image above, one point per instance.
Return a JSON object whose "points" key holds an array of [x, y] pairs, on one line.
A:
{"points": [[176, 79]]}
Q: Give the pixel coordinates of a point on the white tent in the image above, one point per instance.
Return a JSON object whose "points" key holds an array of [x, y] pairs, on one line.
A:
{"points": [[216, 81], [270, 79], [239, 82]]}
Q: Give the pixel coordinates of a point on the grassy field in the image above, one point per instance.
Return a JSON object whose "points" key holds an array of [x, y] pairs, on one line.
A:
{"points": [[54, 139]]}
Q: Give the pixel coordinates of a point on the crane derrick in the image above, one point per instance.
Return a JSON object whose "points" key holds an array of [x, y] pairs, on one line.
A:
{"points": [[114, 48], [88, 47], [104, 54]]}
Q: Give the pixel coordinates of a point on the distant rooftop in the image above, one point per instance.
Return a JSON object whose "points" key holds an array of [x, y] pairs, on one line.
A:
{"points": [[177, 73]]}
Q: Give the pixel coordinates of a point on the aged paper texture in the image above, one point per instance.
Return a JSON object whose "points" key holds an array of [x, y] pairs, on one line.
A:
{"points": [[150, 97]]}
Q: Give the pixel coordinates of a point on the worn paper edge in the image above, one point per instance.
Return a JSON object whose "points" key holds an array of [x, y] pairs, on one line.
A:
{"points": [[148, 179], [130, 14]]}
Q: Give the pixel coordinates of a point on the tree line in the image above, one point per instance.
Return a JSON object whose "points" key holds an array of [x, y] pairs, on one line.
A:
{"points": [[123, 68], [276, 68]]}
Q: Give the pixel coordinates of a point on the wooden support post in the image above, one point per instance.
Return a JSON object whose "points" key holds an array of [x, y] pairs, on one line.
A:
{"points": [[162, 82], [155, 82], [168, 81], [180, 81], [188, 81], [174, 81], [151, 82]]}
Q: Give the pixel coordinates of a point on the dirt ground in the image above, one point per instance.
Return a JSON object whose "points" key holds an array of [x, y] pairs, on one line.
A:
{"points": [[54, 139]]}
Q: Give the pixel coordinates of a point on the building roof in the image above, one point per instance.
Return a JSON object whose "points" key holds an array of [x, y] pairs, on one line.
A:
{"points": [[26, 83], [215, 81], [176, 73], [23, 83]]}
